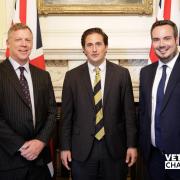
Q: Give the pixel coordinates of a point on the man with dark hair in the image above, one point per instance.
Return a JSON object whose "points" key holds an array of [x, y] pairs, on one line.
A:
{"points": [[98, 135], [160, 102], [27, 111]]}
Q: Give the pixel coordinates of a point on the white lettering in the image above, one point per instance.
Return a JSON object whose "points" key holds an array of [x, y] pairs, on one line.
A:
{"points": [[173, 157], [168, 157], [178, 157]]}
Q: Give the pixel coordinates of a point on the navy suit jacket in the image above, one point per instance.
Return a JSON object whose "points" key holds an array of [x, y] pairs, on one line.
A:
{"points": [[16, 125], [170, 113]]}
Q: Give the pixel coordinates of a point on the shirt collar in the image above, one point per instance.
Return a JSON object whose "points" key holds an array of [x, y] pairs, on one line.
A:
{"points": [[16, 65], [170, 64], [102, 67]]}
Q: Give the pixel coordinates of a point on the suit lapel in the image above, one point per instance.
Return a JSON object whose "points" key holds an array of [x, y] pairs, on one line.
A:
{"points": [[86, 80], [35, 83], [174, 77], [109, 73], [11, 74], [150, 82]]}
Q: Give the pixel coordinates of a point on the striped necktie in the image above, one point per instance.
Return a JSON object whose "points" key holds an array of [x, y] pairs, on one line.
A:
{"points": [[24, 86], [98, 106]]}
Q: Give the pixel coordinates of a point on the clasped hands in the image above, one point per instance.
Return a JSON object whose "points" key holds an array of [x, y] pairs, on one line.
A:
{"points": [[31, 149]]}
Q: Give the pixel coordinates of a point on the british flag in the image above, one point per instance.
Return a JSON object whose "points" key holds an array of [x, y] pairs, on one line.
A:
{"points": [[26, 12], [167, 9]]}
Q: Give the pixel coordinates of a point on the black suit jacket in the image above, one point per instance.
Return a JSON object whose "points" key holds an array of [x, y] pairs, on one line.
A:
{"points": [[170, 113], [16, 125], [78, 112]]}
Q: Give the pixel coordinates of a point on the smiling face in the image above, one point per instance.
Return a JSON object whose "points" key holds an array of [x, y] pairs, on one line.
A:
{"points": [[20, 44], [95, 49], [164, 42]]}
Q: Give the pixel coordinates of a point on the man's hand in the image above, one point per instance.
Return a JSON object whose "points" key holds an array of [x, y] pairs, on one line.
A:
{"points": [[131, 156], [31, 149], [66, 158]]}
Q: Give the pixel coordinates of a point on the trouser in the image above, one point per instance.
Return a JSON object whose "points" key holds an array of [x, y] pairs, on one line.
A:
{"points": [[32, 172], [99, 165]]}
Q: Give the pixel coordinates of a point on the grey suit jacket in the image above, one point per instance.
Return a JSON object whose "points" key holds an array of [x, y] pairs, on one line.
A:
{"points": [[78, 112], [16, 125]]}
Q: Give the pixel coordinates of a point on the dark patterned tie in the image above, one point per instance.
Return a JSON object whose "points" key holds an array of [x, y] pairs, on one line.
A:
{"points": [[98, 106], [159, 100], [24, 85]]}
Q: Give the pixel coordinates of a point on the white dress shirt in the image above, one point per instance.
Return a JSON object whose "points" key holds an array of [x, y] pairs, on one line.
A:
{"points": [[157, 78], [27, 74], [92, 74]]}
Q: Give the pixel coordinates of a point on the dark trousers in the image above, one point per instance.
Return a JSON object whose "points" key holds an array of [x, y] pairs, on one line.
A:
{"points": [[27, 173], [99, 165], [156, 167]]}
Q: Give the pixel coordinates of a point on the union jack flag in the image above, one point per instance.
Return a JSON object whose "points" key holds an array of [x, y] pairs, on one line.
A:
{"points": [[167, 9], [26, 12]]}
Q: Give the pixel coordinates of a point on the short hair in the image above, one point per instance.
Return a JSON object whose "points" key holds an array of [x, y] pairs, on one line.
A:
{"points": [[165, 22], [18, 26], [92, 31]]}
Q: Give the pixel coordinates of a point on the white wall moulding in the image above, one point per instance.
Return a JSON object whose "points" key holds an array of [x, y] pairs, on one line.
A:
{"points": [[57, 70], [77, 54], [113, 54], [143, 7]]}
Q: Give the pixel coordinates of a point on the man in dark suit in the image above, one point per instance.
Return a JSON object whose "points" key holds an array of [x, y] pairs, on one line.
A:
{"points": [[27, 111], [98, 135], [160, 102]]}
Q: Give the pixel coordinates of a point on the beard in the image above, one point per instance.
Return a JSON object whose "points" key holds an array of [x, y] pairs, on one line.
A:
{"points": [[166, 59]]}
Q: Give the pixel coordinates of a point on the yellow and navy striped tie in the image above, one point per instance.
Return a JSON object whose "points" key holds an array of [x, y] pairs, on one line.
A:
{"points": [[98, 106]]}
